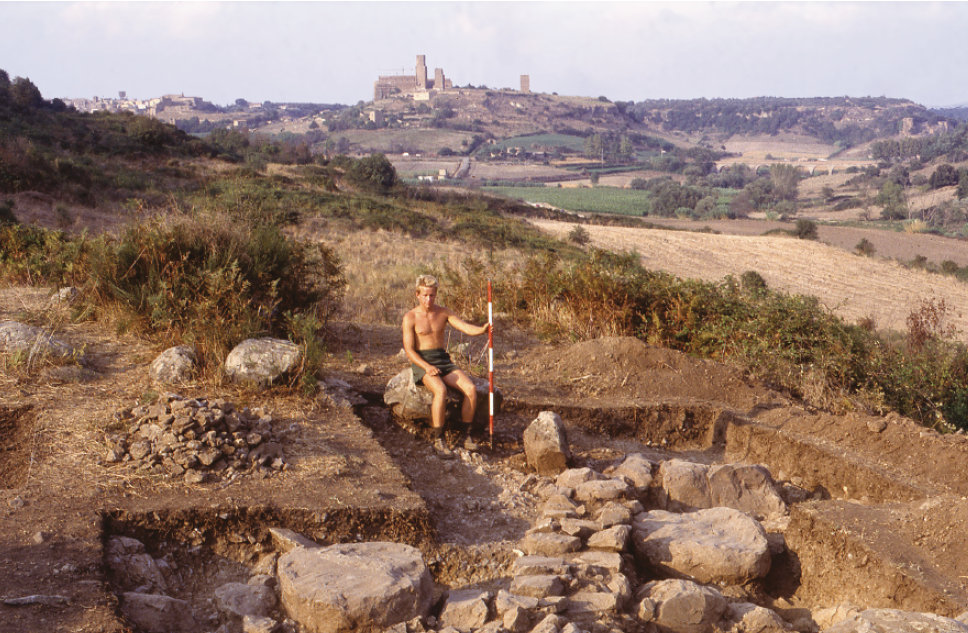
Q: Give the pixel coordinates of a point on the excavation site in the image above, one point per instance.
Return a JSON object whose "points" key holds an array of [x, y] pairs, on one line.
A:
{"points": [[678, 495]]}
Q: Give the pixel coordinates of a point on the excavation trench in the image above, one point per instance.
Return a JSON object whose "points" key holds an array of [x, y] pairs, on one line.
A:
{"points": [[475, 509]]}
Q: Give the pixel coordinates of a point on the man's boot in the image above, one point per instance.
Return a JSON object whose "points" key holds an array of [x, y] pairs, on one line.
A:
{"points": [[440, 446]]}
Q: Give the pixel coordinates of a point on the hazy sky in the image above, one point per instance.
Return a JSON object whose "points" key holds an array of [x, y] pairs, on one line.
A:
{"points": [[332, 52]]}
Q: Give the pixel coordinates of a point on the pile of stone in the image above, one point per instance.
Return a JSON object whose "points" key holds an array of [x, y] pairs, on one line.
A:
{"points": [[146, 586], [197, 440], [638, 546]]}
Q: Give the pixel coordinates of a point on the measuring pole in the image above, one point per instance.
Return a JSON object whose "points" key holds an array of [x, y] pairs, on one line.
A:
{"points": [[490, 365]]}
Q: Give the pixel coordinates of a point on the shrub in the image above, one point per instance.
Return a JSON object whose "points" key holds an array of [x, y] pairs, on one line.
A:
{"points": [[805, 229], [579, 235], [790, 341], [213, 282], [865, 247], [7, 215], [373, 172], [752, 281]]}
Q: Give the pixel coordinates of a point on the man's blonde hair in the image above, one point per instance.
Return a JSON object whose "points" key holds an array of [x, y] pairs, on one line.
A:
{"points": [[427, 281]]}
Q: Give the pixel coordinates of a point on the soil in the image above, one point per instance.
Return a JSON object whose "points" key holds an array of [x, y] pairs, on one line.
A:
{"points": [[877, 504]]}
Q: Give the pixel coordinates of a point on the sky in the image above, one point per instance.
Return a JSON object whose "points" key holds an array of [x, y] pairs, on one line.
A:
{"points": [[332, 52]]}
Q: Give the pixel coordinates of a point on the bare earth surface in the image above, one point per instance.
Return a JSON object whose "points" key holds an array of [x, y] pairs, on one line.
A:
{"points": [[878, 505], [852, 286]]}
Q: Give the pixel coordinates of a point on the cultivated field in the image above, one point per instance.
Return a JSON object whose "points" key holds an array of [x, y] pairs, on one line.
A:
{"points": [[852, 286]]}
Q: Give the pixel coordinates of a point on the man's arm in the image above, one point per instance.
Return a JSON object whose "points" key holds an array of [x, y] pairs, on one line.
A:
{"points": [[463, 326]]}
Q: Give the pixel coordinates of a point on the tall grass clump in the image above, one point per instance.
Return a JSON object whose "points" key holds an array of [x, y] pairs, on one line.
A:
{"points": [[34, 255], [790, 341], [212, 281]]}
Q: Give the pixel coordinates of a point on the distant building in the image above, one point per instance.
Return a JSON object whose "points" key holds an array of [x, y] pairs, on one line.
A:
{"points": [[387, 86]]}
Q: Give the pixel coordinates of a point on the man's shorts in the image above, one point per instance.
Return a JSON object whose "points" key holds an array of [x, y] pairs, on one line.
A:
{"points": [[439, 358]]}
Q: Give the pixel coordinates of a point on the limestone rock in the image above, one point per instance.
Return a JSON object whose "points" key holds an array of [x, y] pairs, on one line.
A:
{"points": [[538, 565], [614, 539], [548, 544], [719, 545], [132, 566], [285, 540], [174, 366], [258, 624], [683, 606], [895, 621], [242, 600], [465, 610], [546, 444], [747, 488], [504, 601], [343, 587], [602, 490], [745, 616], [540, 586], [339, 393], [637, 468], [613, 513], [157, 613], [827, 617], [260, 362], [551, 623], [516, 620], [409, 401], [35, 342], [574, 477]]}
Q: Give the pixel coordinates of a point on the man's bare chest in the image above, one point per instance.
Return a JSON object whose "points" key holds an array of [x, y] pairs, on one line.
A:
{"points": [[429, 325]]}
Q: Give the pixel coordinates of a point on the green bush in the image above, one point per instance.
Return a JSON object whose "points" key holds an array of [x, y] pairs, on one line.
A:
{"points": [[374, 172], [213, 282], [579, 235], [865, 247], [805, 229], [7, 215], [33, 255]]}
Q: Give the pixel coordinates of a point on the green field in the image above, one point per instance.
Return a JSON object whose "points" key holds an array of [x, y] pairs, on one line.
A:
{"points": [[591, 200], [565, 141]]}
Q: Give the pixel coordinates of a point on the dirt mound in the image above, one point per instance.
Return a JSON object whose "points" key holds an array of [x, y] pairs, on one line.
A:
{"points": [[627, 368]]}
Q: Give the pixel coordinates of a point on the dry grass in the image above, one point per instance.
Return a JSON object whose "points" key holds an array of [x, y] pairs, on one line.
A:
{"points": [[852, 287], [380, 269]]}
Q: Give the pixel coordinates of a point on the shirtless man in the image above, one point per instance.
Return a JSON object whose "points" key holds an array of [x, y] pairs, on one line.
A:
{"points": [[423, 341]]}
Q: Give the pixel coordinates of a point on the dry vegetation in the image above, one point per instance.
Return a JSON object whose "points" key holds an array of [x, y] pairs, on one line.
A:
{"points": [[852, 286]]}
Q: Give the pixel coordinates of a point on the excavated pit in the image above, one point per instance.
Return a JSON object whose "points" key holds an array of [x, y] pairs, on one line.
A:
{"points": [[839, 547]]}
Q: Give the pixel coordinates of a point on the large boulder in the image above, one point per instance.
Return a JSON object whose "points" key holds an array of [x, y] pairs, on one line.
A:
{"points": [[895, 621], [546, 444], [174, 366], [260, 362], [355, 587], [719, 545], [748, 488], [410, 401], [34, 342]]}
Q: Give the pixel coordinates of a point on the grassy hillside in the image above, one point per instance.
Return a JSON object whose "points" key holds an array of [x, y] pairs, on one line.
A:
{"points": [[234, 237]]}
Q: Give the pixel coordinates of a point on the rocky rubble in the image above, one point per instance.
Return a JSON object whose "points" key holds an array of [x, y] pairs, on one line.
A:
{"points": [[639, 546], [196, 440]]}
